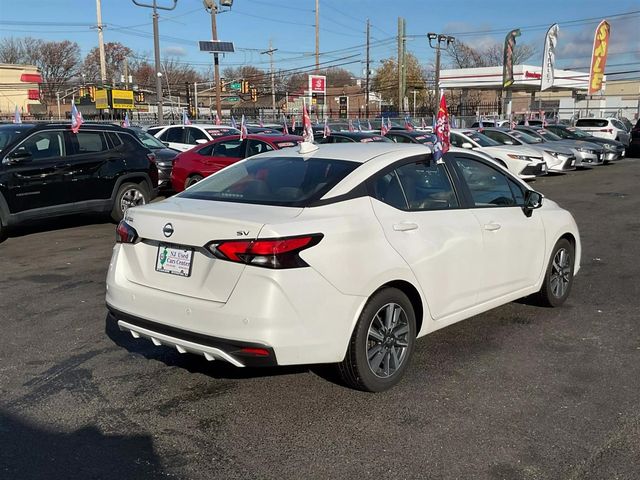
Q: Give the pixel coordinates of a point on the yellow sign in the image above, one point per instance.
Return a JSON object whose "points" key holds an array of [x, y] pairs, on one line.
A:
{"points": [[102, 99], [122, 99]]}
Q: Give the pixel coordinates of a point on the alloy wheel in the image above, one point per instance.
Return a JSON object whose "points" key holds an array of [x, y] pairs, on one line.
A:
{"points": [[387, 340], [560, 273], [132, 197]]}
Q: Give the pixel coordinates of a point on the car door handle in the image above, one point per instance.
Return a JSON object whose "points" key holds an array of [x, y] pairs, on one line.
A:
{"points": [[492, 227], [405, 226]]}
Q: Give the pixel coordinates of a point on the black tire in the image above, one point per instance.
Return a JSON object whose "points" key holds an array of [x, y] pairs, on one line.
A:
{"points": [[558, 277], [192, 180], [134, 194], [395, 343], [3, 232]]}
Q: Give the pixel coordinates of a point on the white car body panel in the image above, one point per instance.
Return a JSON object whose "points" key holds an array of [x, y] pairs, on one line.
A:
{"points": [[183, 147], [456, 266]]}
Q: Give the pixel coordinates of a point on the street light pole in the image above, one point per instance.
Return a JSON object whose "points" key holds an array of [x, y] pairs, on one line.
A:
{"points": [[100, 27], [156, 50], [213, 7]]}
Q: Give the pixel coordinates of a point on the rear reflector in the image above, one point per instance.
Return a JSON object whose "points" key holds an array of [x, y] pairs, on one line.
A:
{"points": [[256, 352], [268, 253]]}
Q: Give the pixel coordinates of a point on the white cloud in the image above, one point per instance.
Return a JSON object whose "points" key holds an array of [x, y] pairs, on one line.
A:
{"points": [[175, 51]]}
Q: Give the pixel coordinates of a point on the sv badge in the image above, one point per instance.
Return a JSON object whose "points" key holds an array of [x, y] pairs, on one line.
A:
{"points": [[242, 233]]}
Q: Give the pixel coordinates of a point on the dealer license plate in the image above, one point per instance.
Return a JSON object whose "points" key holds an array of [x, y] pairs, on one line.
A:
{"points": [[174, 260]]}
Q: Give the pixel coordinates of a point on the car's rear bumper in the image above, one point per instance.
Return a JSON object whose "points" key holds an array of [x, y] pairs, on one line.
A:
{"points": [[296, 313]]}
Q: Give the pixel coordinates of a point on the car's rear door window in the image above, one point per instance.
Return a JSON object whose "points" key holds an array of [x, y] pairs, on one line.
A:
{"points": [[90, 142], [192, 135], [256, 146], [283, 181], [172, 134], [228, 148]]}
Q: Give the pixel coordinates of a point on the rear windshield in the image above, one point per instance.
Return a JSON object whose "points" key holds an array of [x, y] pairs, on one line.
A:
{"points": [[9, 133], [282, 181], [591, 122], [221, 132]]}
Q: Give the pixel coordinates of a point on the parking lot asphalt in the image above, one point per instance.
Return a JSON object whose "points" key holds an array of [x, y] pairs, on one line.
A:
{"points": [[520, 392]]}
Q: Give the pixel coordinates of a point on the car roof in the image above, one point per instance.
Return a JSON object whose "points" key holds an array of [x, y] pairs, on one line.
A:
{"points": [[357, 152]]}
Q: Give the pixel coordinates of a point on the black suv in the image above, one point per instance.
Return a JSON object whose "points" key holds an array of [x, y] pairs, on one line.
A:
{"points": [[47, 170]]}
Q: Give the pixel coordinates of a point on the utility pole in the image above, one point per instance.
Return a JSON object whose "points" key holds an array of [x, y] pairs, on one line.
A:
{"points": [[216, 60], [440, 39], [273, 79], [156, 51], [317, 35], [195, 98], [366, 96], [401, 78], [100, 27]]}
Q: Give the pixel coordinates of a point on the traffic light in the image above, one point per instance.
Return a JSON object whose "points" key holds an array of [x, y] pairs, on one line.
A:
{"points": [[254, 94], [223, 86], [245, 86]]}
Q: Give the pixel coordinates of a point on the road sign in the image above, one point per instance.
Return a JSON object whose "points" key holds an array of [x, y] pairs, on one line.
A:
{"points": [[232, 99], [235, 86]]}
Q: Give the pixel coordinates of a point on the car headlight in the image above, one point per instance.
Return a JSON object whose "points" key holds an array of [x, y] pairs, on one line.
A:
{"points": [[585, 150], [608, 146], [553, 154], [519, 157]]}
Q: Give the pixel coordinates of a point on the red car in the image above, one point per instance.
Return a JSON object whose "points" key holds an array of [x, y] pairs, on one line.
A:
{"points": [[201, 161]]}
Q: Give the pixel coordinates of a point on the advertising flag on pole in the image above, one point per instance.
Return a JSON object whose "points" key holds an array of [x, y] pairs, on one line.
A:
{"points": [[442, 131], [185, 118], [260, 122], [126, 123], [16, 116], [293, 125], [243, 129], [383, 127], [218, 122], [507, 59], [76, 117], [358, 124], [526, 119], [234, 124], [285, 129], [599, 57], [326, 131], [549, 57], [369, 125], [512, 122], [307, 130], [407, 123], [351, 129]]}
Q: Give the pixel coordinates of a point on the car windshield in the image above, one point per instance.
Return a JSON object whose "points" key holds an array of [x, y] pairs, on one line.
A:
{"points": [[577, 133], [425, 138], [525, 137], [282, 181], [547, 135], [149, 140], [481, 139], [10, 132]]}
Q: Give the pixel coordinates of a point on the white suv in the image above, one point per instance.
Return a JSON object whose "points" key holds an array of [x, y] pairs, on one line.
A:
{"points": [[609, 128], [185, 137]]}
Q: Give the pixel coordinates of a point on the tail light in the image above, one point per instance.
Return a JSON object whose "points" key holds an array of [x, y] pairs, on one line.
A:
{"points": [[607, 130], [125, 233], [268, 253]]}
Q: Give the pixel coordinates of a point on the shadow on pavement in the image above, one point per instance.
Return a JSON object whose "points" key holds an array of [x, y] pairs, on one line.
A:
{"points": [[28, 451], [57, 223], [191, 362]]}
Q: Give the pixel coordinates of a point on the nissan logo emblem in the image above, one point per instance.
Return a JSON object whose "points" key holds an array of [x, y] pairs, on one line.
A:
{"points": [[167, 230]]}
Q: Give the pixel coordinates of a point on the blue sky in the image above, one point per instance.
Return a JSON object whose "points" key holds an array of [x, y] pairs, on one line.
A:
{"points": [[289, 25]]}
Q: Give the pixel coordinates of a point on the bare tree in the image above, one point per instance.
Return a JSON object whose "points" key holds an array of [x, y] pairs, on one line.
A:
{"points": [[11, 50], [115, 54], [385, 81], [58, 62], [465, 56]]}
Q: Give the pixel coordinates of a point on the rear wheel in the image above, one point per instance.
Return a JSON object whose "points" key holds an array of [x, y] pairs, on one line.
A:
{"points": [[559, 275], [3, 232], [129, 195], [381, 344], [193, 179]]}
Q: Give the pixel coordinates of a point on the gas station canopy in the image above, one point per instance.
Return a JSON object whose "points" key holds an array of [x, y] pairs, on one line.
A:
{"points": [[526, 79]]}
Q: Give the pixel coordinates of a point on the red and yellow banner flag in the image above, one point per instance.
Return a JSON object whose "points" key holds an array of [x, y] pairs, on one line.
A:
{"points": [[599, 58]]}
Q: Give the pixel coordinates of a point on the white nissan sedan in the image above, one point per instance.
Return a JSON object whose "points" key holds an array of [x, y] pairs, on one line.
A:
{"points": [[343, 254]]}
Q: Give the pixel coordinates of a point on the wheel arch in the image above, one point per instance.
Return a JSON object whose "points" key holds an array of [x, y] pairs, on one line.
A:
{"points": [[133, 178], [414, 297]]}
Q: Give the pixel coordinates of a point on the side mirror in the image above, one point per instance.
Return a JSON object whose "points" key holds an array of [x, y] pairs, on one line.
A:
{"points": [[467, 145], [17, 156], [200, 141], [166, 144], [532, 200], [508, 142]]}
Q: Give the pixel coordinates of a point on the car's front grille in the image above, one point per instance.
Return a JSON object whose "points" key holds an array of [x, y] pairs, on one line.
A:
{"points": [[533, 169]]}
